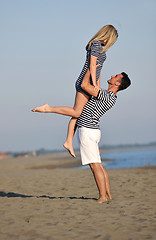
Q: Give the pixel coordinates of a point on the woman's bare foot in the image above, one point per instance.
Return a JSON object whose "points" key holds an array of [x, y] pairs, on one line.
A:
{"points": [[102, 200], [43, 109], [70, 149]]}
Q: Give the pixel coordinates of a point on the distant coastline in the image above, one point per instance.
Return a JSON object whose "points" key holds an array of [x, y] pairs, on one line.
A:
{"points": [[125, 147], [103, 148]]}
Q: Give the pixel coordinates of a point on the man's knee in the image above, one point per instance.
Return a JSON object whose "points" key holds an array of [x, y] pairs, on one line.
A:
{"points": [[94, 166]]}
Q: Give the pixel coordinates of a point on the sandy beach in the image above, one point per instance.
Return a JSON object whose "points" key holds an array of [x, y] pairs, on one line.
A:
{"points": [[48, 198]]}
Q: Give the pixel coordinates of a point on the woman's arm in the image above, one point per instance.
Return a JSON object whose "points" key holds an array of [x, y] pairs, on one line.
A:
{"points": [[93, 66], [95, 50], [98, 82]]}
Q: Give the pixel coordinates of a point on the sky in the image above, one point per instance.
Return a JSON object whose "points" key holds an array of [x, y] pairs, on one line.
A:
{"points": [[42, 52]]}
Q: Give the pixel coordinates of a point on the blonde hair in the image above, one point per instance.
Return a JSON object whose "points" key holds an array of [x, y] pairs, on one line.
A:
{"points": [[107, 32]]}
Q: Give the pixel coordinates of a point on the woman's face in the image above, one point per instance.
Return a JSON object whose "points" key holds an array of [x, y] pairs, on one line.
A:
{"points": [[105, 42]]}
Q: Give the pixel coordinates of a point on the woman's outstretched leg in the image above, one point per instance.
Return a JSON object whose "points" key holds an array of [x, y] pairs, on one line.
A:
{"points": [[80, 101]]}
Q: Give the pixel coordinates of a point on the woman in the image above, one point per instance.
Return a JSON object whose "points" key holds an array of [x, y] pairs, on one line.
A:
{"points": [[96, 55]]}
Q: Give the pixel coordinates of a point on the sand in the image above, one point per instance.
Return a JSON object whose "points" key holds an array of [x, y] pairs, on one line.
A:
{"points": [[42, 198]]}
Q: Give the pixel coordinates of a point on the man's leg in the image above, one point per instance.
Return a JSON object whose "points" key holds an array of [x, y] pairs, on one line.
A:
{"points": [[107, 182], [100, 181]]}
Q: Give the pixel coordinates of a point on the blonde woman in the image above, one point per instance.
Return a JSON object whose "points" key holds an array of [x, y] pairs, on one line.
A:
{"points": [[95, 57]]}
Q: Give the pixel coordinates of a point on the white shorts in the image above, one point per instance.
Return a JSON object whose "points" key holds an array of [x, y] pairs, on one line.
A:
{"points": [[89, 139]]}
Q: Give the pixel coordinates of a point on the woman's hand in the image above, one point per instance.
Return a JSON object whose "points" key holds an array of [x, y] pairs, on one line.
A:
{"points": [[97, 88]]}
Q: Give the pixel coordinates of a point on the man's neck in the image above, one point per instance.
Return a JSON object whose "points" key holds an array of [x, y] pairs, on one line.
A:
{"points": [[112, 89]]}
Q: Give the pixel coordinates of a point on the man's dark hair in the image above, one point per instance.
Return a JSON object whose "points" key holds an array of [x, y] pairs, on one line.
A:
{"points": [[125, 82]]}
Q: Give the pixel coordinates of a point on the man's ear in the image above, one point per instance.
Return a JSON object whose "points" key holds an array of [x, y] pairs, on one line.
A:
{"points": [[117, 83]]}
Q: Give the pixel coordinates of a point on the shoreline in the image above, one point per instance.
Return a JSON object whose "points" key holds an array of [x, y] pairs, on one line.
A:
{"points": [[55, 160]]}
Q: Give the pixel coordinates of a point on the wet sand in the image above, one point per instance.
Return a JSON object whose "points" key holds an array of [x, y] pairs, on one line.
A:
{"points": [[47, 198]]}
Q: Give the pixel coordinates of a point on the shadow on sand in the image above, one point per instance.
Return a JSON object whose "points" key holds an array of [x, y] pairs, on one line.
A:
{"points": [[14, 195]]}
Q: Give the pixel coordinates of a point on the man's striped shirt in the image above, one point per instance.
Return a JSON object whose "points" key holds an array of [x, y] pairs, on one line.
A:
{"points": [[95, 108]]}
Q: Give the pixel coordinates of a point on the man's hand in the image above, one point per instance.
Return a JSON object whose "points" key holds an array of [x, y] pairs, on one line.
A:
{"points": [[97, 87]]}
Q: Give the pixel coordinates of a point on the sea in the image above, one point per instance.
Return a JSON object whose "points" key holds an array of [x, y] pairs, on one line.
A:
{"points": [[129, 158]]}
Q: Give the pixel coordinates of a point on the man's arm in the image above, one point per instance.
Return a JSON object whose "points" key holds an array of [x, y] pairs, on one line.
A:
{"points": [[88, 87]]}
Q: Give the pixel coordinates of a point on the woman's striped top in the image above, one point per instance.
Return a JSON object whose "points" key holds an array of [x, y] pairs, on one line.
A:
{"points": [[95, 108], [94, 50]]}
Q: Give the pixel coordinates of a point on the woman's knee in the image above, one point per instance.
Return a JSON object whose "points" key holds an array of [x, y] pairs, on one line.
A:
{"points": [[77, 113]]}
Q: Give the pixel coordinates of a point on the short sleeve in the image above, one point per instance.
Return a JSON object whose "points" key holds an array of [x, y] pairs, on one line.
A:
{"points": [[105, 95], [102, 95], [95, 48]]}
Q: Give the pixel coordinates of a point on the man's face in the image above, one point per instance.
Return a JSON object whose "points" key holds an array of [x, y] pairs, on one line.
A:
{"points": [[115, 79]]}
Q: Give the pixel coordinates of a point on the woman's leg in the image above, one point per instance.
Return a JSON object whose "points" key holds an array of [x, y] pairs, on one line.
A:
{"points": [[70, 134], [80, 100]]}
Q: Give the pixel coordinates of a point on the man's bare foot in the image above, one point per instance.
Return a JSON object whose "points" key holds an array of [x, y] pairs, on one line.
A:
{"points": [[43, 109], [70, 149], [109, 197], [102, 200]]}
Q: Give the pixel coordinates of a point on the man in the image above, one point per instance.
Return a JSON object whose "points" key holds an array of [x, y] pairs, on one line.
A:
{"points": [[89, 132]]}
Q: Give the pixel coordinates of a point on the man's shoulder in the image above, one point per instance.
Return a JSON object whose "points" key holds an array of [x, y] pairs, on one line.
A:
{"points": [[102, 92], [105, 94]]}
